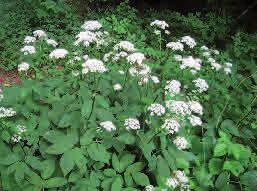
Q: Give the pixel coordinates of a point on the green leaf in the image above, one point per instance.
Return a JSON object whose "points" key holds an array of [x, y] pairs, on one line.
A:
{"points": [[249, 178], [48, 167], [228, 126], [55, 182], [100, 101], [136, 167], [127, 138], [117, 184], [215, 166], [163, 167], [220, 149], [140, 179], [222, 180], [109, 172], [98, 153], [87, 138], [70, 158], [86, 108], [233, 166]]}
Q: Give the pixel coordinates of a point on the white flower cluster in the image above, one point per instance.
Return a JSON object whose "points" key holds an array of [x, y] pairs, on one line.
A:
{"points": [[28, 50], [119, 55], [136, 58], [156, 109], [195, 121], [86, 37], [117, 87], [91, 25], [178, 107], [29, 39], [51, 42], [132, 123], [1, 94], [149, 188], [125, 46], [179, 179], [23, 67], [58, 53], [189, 41], [160, 24], [6, 112], [171, 125], [108, 126], [214, 64], [172, 87], [195, 107], [155, 79], [40, 34], [175, 46], [178, 57], [17, 137], [192, 63], [201, 85], [228, 68], [180, 142], [93, 65]]}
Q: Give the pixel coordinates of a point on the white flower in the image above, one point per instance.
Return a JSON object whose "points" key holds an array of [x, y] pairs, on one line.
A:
{"points": [[180, 176], [58, 53], [227, 70], [167, 32], [108, 126], [178, 107], [192, 63], [201, 85], [149, 188], [228, 64], [107, 56], [132, 123], [195, 107], [51, 42], [156, 109], [175, 46], [136, 58], [39, 34], [85, 57], [28, 50], [189, 41], [205, 48], [157, 32], [181, 143], [172, 87], [206, 54], [171, 183], [141, 71], [216, 66], [117, 87], [86, 38], [178, 57], [29, 39], [21, 129], [24, 66], [155, 79], [211, 60], [93, 65], [119, 55], [216, 52], [75, 73], [171, 125], [195, 121], [159, 24], [6, 112], [121, 72], [125, 45], [16, 138], [91, 25]]}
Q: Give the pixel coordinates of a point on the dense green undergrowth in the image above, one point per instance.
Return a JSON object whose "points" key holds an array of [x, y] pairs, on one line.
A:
{"points": [[96, 113]]}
